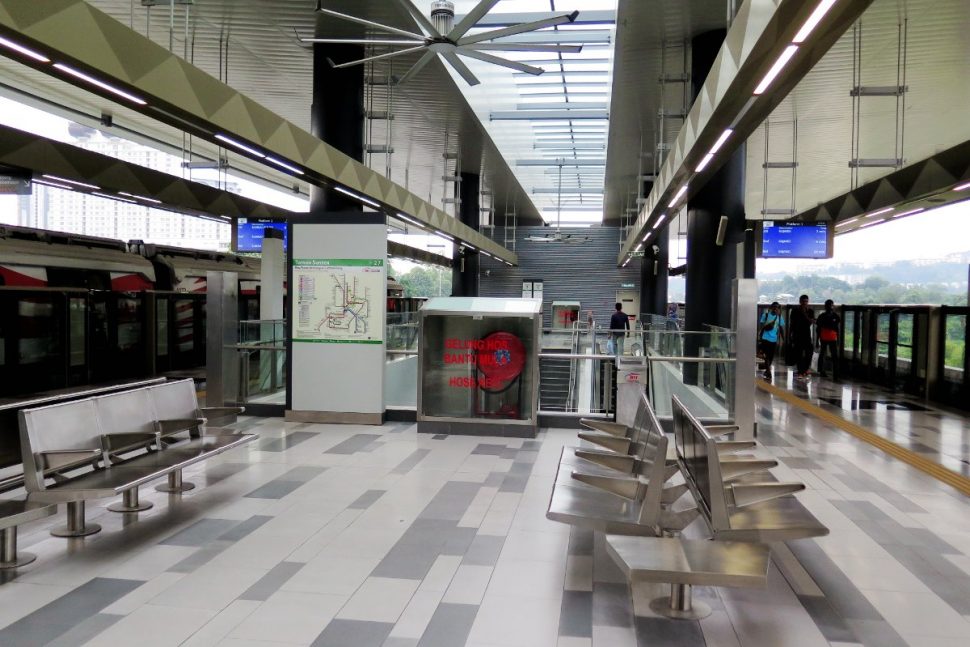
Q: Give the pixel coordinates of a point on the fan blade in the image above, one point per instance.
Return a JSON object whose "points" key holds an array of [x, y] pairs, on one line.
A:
{"points": [[519, 29], [358, 41], [415, 13], [368, 23], [471, 19], [401, 52], [417, 67], [527, 47], [504, 62], [461, 68]]}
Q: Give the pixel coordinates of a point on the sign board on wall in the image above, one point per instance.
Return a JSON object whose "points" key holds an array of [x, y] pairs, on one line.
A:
{"points": [[15, 184], [532, 290], [339, 300]]}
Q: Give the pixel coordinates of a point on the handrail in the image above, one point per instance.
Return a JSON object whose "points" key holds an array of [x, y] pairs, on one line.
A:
{"points": [[649, 358], [390, 351]]}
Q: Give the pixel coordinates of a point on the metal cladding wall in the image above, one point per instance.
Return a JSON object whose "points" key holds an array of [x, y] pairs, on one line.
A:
{"points": [[584, 272]]}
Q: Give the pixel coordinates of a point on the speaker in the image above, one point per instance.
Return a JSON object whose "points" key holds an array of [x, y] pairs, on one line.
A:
{"points": [[721, 231]]}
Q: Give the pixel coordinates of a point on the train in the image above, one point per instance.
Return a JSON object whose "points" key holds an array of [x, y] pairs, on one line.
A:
{"points": [[78, 310]]}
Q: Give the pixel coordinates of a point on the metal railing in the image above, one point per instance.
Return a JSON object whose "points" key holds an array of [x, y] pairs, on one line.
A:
{"points": [[261, 350]]}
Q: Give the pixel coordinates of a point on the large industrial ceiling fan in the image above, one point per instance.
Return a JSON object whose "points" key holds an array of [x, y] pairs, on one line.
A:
{"points": [[558, 236], [442, 36]]}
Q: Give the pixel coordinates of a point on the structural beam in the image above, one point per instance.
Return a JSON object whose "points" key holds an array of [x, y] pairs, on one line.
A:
{"points": [[164, 86], [731, 99]]}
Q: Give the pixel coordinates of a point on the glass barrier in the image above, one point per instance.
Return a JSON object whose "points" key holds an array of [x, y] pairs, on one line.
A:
{"points": [[577, 383], [261, 349]]}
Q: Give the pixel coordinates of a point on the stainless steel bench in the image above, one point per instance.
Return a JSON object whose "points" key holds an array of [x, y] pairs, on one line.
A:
{"points": [[14, 512], [744, 508], [104, 446], [626, 497], [178, 405]]}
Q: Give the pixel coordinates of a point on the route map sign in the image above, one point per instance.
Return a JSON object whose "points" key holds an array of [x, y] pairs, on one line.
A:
{"points": [[339, 300]]}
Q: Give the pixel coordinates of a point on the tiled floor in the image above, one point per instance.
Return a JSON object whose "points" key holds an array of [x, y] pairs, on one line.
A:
{"points": [[938, 433], [361, 537]]}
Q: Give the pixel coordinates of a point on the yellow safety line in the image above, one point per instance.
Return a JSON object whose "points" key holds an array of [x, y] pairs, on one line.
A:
{"points": [[937, 471]]}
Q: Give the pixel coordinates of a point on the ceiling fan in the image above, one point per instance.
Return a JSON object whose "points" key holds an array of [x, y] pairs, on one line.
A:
{"points": [[442, 36], [558, 236]]}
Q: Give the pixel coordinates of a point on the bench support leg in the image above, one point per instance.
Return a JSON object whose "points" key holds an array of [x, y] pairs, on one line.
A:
{"points": [[679, 605], [130, 502], [8, 550], [76, 526], [175, 483]]}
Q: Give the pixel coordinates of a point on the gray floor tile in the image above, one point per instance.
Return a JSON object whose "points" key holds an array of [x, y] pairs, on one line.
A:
{"points": [[353, 444], [411, 461], [841, 593], [200, 557], [66, 612], [366, 499], [244, 528], [449, 626], [288, 441], [876, 633], [576, 616], [200, 533], [669, 633], [494, 479], [611, 605], [359, 633], [484, 550], [514, 483], [488, 449], [451, 502], [303, 473], [272, 581], [276, 489], [409, 561], [830, 623], [86, 630]]}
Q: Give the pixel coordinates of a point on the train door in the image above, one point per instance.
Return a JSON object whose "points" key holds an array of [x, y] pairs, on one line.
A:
{"points": [[34, 341]]}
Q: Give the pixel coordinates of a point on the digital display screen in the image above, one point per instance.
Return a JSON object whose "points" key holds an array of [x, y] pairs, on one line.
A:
{"points": [[795, 240], [249, 233]]}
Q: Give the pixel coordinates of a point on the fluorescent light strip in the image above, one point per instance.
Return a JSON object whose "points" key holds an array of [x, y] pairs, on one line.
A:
{"points": [[282, 164], [445, 236], [626, 262], [139, 197], [413, 222], [659, 222], [113, 197], [240, 145], [878, 222], [678, 195], [880, 212], [845, 223], [962, 187], [57, 178], [645, 238], [776, 69], [720, 141], [704, 162], [638, 247], [9, 44], [367, 201], [53, 184], [813, 20], [100, 84], [909, 213]]}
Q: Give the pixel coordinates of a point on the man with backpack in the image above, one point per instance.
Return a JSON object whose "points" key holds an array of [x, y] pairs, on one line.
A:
{"points": [[772, 325]]}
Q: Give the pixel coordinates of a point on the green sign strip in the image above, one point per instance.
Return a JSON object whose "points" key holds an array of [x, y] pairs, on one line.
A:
{"points": [[338, 262]]}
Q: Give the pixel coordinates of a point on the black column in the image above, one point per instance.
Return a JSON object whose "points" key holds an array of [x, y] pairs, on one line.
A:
{"points": [[712, 267], [654, 269], [337, 116], [653, 274], [464, 276]]}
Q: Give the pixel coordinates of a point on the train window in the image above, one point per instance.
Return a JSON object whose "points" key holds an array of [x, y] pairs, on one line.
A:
{"points": [[39, 338], [78, 319], [161, 326], [185, 325], [64, 277], [129, 323]]}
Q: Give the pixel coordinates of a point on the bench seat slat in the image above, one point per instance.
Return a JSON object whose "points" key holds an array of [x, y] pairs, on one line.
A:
{"points": [[14, 512]]}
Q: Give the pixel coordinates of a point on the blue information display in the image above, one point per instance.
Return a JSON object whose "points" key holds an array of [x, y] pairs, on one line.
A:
{"points": [[795, 240], [249, 233]]}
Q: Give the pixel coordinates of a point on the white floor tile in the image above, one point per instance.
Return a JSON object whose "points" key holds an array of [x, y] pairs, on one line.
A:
{"points": [[151, 626], [379, 599], [220, 626], [469, 584], [289, 617], [519, 622]]}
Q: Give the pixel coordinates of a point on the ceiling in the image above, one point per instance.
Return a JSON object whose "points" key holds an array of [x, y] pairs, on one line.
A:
{"points": [[256, 52], [933, 117], [649, 42]]}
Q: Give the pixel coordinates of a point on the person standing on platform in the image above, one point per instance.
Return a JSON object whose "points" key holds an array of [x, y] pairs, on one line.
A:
{"points": [[771, 326], [619, 324], [802, 321], [827, 329]]}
